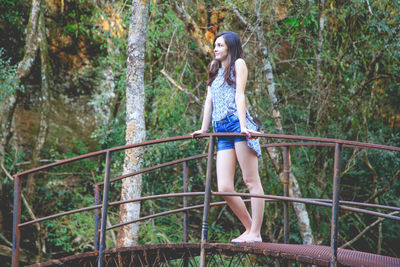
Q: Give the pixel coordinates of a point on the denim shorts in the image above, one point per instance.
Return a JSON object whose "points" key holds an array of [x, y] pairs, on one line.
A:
{"points": [[229, 124]]}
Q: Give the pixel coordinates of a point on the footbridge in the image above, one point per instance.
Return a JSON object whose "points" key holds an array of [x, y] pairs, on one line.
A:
{"points": [[205, 253]]}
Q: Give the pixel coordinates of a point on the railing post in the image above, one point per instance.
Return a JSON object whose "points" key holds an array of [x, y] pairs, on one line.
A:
{"points": [[207, 194], [185, 202], [286, 172], [186, 213], [104, 208], [335, 205], [97, 213], [16, 221]]}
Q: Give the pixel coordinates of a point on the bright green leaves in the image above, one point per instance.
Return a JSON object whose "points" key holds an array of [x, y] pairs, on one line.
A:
{"points": [[9, 81], [292, 22]]}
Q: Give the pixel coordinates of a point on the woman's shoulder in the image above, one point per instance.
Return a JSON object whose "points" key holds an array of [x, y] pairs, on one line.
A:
{"points": [[240, 63]]}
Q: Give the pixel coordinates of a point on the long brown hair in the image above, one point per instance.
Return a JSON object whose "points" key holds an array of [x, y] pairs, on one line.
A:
{"points": [[235, 51]]}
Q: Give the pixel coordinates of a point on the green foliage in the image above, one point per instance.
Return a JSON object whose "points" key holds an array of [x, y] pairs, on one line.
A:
{"points": [[11, 12], [13, 15], [166, 106], [79, 19], [9, 82], [58, 238], [71, 235], [162, 230]]}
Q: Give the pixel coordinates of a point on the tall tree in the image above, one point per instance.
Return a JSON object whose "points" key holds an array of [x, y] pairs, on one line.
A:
{"points": [[105, 99], [7, 106], [36, 43], [322, 95], [24, 69], [31, 43], [135, 121], [43, 120]]}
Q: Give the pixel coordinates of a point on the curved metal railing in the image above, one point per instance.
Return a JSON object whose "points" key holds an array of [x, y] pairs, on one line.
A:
{"points": [[102, 207]]}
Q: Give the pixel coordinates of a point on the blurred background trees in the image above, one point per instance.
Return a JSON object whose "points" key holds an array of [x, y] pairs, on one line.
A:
{"points": [[316, 68]]}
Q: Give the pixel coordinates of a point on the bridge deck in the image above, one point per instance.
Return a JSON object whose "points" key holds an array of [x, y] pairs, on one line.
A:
{"points": [[150, 255]]}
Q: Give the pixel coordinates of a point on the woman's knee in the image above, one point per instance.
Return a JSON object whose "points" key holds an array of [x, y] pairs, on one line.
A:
{"points": [[253, 183], [225, 188]]}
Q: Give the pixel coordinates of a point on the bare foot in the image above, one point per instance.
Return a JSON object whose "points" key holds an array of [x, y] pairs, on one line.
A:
{"points": [[247, 239], [239, 238]]}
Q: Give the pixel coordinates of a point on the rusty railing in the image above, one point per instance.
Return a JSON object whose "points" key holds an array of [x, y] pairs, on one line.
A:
{"points": [[100, 207]]}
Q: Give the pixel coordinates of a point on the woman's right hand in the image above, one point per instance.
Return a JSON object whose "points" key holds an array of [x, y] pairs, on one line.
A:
{"points": [[197, 133]]}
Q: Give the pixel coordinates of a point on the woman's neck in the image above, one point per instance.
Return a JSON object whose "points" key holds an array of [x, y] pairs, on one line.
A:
{"points": [[224, 64]]}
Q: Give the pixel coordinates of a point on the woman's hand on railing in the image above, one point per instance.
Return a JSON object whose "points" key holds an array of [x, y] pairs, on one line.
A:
{"points": [[197, 133], [249, 133]]}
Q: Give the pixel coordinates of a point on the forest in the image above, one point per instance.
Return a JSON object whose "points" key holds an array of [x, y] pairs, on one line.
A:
{"points": [[327, 68]]}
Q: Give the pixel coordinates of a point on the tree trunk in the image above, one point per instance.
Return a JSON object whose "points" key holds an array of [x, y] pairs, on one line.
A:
{"points": [[8, 107], [135, 122], [36, 39], [303, 220], [105, 99], [24, 69], [321, 101], [6, 117], [31, 43], [25, 66], [43, 122], [44, 100], [294, 189]]}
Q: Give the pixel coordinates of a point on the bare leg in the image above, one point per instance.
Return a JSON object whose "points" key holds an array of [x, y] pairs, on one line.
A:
{"points": [[226, 164], [249, 165]]}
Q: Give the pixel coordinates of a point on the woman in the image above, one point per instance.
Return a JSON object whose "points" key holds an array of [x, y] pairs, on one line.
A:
{"points": [[225, 106]]}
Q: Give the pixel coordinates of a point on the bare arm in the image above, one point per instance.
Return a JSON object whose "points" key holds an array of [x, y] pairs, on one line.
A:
{"points": [[241, 80], [207, 114]]}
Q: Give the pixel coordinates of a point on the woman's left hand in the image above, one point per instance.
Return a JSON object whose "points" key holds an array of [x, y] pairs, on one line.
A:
{"points": [[249, 133]]}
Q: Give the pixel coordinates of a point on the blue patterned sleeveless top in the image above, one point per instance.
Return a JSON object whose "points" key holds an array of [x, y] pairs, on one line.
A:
{"points": [[223, 97], [223, 104]]}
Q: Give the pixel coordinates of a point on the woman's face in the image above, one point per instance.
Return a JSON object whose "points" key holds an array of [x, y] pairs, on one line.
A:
{"points": [[220, 49]]}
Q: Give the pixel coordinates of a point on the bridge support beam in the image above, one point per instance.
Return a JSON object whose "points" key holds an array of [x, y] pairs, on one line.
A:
{"points": [[16, 222], [207, 194], [104, 209], [185, 201], [286, 172], [185, 205], [97, 213], [335, 205]]}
